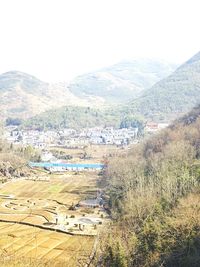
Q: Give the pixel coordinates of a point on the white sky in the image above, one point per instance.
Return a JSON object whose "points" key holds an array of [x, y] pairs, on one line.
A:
{"points": [[56, 40]]}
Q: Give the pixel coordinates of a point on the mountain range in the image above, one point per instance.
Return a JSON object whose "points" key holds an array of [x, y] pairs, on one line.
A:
{"points": [[114, 93], [23, 95], [166, 100]]}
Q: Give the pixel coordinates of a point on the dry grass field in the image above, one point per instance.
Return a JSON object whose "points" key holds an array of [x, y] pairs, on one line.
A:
{"points": [[66, 188], [38, 202], [29, 246], [43, 199], [94, 153]]}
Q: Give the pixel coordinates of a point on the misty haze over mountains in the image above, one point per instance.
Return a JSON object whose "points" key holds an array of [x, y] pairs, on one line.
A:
{"points": [[123, 81], [153, 89], [23, 95]]}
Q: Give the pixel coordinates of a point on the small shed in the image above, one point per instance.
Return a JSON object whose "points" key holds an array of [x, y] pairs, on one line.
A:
{"points": [[91, 203]]}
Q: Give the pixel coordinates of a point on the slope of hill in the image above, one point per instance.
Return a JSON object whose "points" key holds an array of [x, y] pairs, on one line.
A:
{"points": [[167, 99], [153, 194], [23, 95], [29, 83], [122, 81], [73, 117], [175, 94]]}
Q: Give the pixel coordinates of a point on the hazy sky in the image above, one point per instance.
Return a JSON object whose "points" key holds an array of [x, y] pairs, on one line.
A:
{"points": [[56, 40]]}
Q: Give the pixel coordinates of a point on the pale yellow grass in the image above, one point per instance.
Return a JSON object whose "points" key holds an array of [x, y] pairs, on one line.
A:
{"points": [[45, 248], [22, 245]]}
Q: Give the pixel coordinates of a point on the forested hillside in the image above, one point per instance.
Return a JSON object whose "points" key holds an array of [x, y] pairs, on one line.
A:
{"points": [[80, 117], [73, 117], [172, 96], [154, 200]]}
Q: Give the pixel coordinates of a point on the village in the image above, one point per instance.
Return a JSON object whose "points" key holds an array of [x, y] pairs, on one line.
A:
{"points": [[62, 195], [72, 138]]}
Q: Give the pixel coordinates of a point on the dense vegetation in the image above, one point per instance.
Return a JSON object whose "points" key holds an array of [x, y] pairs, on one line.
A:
{"points": [[154, 200], [72, 117], [82, 117], [13, 121], [13, 160]]}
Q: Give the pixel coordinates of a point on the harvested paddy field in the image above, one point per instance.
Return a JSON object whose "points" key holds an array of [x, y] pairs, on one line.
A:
{"points": [[67, 188], [90, 153], [27, 203], [42, 248]]}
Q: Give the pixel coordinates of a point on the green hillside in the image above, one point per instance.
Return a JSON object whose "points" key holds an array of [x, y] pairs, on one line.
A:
{"points": [[166, 100], [80, 117], [173, 95], [73, 117]]}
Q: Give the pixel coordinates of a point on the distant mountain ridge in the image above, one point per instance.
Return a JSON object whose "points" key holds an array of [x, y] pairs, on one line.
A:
{"points": [[23, 95], [122, 81], [168, 99], [28, 82]]}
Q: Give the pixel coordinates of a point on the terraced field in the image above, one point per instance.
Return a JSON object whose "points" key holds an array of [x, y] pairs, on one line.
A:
{"points": [[66, 188], [41, 248], [46, 204]]}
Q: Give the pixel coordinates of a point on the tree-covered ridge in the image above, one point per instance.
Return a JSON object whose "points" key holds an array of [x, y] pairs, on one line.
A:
{"points": [[81, 117], [176, 94], [154, 198], [72, 117]]}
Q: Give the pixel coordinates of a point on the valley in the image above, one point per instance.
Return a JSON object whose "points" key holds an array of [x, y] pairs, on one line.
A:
{"points": [[99, 133], [53, 218]]}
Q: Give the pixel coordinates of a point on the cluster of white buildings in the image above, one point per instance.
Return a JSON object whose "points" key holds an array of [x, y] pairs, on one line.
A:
{"points": [[33, 138], [71, 137], [110, 136]]}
